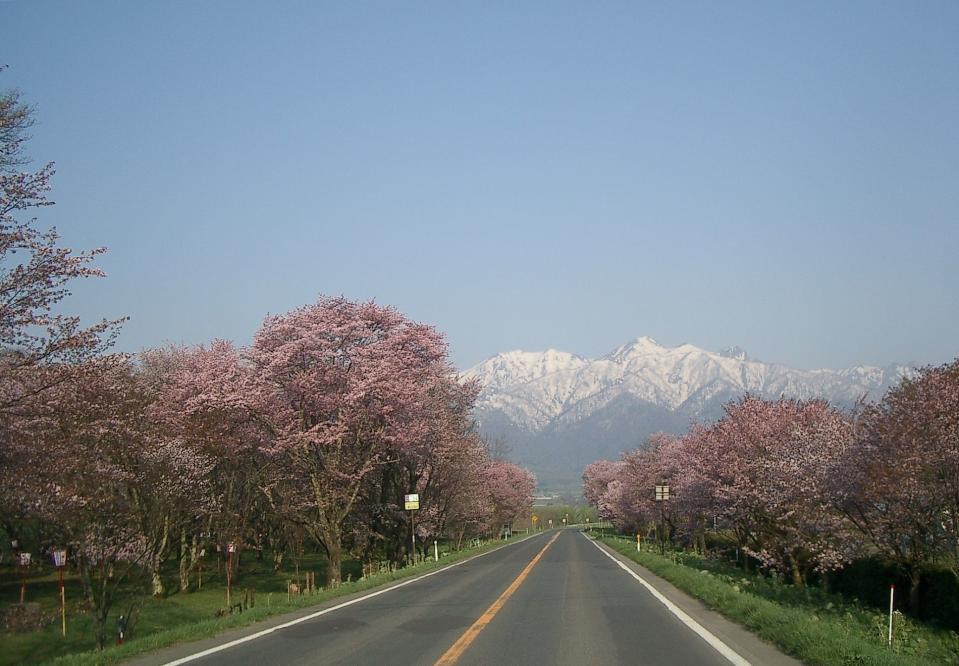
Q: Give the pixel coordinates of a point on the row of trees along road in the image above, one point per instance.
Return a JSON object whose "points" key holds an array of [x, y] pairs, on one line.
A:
{"points": [[313, 434], [803, 487]]}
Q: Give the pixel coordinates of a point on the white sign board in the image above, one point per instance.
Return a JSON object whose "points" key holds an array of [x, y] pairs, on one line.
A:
{"points": [[411, 502], [59, 558]]}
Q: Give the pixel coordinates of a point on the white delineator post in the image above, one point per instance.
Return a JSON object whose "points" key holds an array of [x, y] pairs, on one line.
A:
{"points": [[892, 595], [436, 551]]}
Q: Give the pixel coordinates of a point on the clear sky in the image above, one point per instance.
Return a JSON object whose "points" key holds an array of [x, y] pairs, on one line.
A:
{"points": [[781, 176]]}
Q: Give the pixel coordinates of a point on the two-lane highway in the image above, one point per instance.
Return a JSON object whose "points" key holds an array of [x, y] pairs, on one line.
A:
{"points": [[555, 598]]}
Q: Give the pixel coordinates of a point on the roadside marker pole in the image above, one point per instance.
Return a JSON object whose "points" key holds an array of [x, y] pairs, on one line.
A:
{"points": [[436, 551], [230, 547], [892, 594], [60, 561]]}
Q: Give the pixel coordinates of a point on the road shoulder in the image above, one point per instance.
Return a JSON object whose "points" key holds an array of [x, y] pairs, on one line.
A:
{"points": [[752, 648]]}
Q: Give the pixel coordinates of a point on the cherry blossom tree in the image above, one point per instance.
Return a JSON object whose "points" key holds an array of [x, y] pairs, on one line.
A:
{"points": [[596, 479], [510, 489], [901, 483], [39, 347], [767, 471], [205, 396], [443, 465], [343, 384], [109, 482]]}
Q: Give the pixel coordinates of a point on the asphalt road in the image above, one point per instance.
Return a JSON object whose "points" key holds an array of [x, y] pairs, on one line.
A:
{"points": [[573, 605]]}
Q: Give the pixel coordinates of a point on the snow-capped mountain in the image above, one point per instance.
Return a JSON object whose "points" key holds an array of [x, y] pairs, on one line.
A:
{"points": [[557, 409]]}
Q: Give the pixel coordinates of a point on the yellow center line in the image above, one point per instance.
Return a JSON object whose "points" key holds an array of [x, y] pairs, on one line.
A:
{"points": [[456, 651]]}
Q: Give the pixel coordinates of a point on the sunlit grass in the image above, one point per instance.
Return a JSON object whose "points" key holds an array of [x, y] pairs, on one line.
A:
{"points": [[180, 616]]}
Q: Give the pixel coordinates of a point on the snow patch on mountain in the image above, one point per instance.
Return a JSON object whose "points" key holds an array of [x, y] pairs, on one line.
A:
{"points": [[536, 389]]}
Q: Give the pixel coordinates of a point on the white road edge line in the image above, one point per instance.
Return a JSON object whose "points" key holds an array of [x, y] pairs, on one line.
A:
{"points": [[731, 655], [260, 634]]}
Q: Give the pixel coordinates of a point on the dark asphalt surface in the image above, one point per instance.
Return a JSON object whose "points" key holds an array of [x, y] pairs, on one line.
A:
{"points": [[575, 607]]}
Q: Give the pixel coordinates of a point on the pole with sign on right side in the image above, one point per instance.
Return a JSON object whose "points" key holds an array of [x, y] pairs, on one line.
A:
{"points": [[60, 561], [411, 503], [662, 496]]}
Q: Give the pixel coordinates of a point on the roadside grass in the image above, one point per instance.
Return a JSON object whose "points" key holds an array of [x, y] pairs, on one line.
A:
{"points": [[184, 616], [817, 627]]}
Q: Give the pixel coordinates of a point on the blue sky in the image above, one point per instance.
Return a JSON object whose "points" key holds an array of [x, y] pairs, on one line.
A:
{"points": [[782, 176]]}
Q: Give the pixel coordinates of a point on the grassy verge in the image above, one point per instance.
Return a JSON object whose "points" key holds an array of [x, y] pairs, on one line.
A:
{"points": [[814, 626], [191, 616]]}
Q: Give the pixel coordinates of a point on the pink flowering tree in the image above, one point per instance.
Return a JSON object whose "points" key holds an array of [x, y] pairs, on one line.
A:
{"points": [[767, 472], [596, 479], [510, 490], [342, 384], [39, 347], [901, 483], [446, 465], [772, 466], [206, 397], [106, 480]]}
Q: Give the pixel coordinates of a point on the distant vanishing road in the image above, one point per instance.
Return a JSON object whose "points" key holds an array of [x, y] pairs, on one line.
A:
{"points": [[555, 598]]}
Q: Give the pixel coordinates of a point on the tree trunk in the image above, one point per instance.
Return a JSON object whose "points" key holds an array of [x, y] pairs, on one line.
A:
{"points": [[159, 556], [99, 592], [184, 563], [915, 575], [100, 629], [796, 572], [194, 553], [334, 557], [277, 560]]}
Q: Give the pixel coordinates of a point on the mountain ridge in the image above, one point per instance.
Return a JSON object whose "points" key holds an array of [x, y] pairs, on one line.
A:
{"points": [[555, 405]]}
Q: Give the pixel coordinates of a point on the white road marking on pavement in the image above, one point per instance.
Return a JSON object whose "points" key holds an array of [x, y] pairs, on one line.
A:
{"points": [[720, 647], [260, 634]]}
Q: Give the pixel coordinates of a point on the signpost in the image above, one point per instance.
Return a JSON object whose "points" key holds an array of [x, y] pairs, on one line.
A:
{"points": [[230, 549], [23, 562], [411, 503], [535, 520], [662, 496], [60, 561]]}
